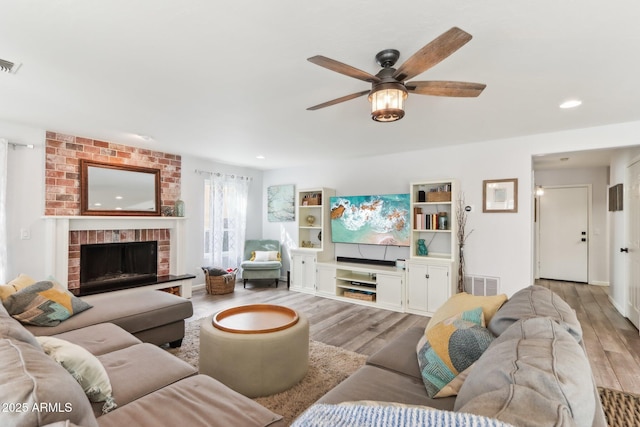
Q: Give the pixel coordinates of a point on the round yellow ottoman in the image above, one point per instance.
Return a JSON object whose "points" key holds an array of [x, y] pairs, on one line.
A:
{"points": [[255, 364]]}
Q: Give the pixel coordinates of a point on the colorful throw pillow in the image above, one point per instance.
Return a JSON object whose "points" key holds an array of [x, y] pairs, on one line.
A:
{"points": [[463, 302], [265, 256], [44, 304], [449, 348], [20, 282], [84, 367]]}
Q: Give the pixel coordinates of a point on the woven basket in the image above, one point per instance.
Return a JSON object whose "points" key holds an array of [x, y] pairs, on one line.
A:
{"points": [[439, 196], [218, 285]]}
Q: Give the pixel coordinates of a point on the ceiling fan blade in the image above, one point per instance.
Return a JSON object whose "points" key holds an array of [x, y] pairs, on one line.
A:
{"points": [[445, 88], [339, 100], [431, 54], [341, 68]]}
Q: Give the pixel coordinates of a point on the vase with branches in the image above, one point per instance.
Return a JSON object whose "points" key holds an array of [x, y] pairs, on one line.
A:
{"points": [[461, 217]]}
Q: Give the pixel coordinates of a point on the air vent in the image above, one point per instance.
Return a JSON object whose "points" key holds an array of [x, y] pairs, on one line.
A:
{"points": [[8, 66], [480, 285]]}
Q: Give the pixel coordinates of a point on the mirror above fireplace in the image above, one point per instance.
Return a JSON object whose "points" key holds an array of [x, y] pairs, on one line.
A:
{"points": [[113, 189]]}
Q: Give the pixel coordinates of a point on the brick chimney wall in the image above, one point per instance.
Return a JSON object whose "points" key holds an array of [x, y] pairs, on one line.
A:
{"points": [[62, 191]]}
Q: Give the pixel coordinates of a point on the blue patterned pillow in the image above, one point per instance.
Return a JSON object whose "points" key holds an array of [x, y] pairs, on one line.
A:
{"points": [[451, 347]]}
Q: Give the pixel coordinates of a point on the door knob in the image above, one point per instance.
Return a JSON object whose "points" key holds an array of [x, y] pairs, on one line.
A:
{"points": [[624, 250]]}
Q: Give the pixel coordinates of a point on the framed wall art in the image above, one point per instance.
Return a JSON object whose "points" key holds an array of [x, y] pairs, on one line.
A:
{"points": [[281, 203], [500, 195]]}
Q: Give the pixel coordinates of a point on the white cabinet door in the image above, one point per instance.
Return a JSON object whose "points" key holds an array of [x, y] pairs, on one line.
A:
{"points": [[428, 287], [326, 280], [389, 291], [303, 272], [437, 287], [417, 286]]}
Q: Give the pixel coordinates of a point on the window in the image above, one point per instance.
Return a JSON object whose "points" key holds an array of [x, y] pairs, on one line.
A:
{"points": [[225, 214]]}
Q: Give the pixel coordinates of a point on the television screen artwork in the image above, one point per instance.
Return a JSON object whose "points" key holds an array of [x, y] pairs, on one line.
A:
{"points": [[371, 220]]}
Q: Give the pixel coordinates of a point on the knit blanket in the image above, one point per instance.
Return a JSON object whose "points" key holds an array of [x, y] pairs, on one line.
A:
{"points": [[366, 415]]}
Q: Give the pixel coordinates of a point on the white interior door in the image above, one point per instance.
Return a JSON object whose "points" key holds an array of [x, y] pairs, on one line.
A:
{"points": [[633, 243], [564, 232]]}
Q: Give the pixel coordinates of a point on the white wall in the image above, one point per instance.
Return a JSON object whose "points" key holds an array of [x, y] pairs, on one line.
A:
{"points": [[25, 200], [598, 224], [502, 243]]}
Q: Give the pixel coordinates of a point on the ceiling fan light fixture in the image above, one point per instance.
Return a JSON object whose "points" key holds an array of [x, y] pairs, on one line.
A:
{"points": [[387, 102]]}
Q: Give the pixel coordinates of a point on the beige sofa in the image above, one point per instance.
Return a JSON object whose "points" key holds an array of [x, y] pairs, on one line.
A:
{"points": [[535, 373], [149, 385]]}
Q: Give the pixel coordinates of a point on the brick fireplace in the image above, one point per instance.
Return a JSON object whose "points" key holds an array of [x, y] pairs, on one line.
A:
{"points": [[67, 230], [84, 237]]}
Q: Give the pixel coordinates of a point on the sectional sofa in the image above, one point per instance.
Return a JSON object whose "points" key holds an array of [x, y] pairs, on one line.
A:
{"points": [[535, 373], [94, 369]]}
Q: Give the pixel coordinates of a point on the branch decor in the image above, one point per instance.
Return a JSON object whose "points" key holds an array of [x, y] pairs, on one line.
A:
{"points": [[461, 217]]}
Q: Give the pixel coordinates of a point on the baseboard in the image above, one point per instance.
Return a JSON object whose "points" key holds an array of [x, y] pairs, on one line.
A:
{"points": [[599, 283], [200, 286], [617, 307]]}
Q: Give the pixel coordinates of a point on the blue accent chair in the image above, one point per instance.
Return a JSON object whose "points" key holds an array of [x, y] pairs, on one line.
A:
{"points": [[261, 269]]}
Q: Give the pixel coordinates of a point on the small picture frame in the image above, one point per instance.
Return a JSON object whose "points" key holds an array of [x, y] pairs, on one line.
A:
{"points": [[500, 195]]}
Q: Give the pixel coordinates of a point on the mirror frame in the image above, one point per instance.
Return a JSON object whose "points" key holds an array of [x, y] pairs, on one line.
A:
{"points": [[84, 189]]}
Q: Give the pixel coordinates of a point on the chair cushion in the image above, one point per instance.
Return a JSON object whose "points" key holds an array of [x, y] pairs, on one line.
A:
{"points": [[261, 265], [198, 401]]}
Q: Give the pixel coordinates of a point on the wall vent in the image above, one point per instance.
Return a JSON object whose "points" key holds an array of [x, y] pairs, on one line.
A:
{"points": [[481, 285], [8, 66]]}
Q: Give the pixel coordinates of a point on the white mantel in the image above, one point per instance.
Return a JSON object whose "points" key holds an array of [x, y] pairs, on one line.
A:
{"points": [[57, 230]]}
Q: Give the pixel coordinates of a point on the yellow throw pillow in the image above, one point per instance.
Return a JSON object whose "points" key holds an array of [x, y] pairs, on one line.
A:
{"points": [[20, 282], [463, 302]]}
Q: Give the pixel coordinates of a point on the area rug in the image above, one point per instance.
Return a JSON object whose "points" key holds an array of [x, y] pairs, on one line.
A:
{"points": [[620, 408], [328, 366]]}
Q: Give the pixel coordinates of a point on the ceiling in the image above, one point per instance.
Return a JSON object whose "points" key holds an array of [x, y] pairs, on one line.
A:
{"points": [[229, 80]]}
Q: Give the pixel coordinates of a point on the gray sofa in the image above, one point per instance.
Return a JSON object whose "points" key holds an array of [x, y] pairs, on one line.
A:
{"points": [[150, 386], [152, 316], [534, 373]]}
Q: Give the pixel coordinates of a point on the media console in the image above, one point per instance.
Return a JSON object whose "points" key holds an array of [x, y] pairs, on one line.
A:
{"points": [[376, 285]]}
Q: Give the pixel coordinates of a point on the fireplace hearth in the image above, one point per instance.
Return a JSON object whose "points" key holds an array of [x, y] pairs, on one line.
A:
{"points": [[113, 266]]}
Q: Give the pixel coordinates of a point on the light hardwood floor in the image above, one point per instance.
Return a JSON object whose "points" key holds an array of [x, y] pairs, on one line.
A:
{"points": [[612, 342]]}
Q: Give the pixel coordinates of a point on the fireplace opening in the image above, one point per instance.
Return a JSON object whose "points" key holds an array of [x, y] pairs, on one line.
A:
{"points": [[112, 266]]}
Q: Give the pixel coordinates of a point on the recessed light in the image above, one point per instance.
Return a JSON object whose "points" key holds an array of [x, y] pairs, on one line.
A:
{"points": [[118, 197], [260, 156], [144, 137], [570, 103]]}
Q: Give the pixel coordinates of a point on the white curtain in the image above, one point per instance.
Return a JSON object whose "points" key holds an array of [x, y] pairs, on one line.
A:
{"points": [[227, 219], [3, 210]]}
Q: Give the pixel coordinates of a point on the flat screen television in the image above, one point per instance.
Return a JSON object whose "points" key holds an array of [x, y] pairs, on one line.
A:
{"points": [[371, 220]]}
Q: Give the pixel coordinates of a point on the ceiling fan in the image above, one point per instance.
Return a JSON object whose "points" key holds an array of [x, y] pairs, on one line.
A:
{"points": [[388, 87]]}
